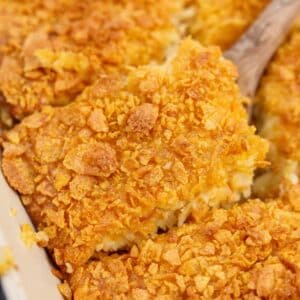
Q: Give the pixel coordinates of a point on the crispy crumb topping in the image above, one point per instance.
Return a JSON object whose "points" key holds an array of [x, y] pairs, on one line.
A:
{"points": [[278, 120], [176, 137], [250, 251], [222, 22], [142, 118], [51, 50]]}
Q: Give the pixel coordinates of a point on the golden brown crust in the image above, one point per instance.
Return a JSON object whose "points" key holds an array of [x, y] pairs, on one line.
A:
{"points": [[175, 136], [250, 251], [51, 50]]}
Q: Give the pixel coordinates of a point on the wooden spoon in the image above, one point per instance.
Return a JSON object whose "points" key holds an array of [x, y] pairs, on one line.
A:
{"points": [[256, 47]]}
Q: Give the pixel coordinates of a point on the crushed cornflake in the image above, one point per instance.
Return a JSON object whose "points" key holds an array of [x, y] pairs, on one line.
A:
{"points": [[53, 50], [250, 251], [222, 22], [93, 181]]}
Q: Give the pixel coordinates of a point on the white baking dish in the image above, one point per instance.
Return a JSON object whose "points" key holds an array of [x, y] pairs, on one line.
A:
{"points": [[32, 279]]}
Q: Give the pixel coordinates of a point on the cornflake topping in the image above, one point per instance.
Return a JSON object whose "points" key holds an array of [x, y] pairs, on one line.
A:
{"points": [[134, 154]]}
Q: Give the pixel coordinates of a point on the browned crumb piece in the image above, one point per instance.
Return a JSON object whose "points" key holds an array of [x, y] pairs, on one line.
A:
{"points": [[6, 260], [65, 290], [278, 102], [248, 252], [135, 155], [222, 22], [51, 50]]}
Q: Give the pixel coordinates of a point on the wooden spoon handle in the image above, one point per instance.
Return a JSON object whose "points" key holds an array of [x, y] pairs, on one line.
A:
{"points": [[254, 50]]}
